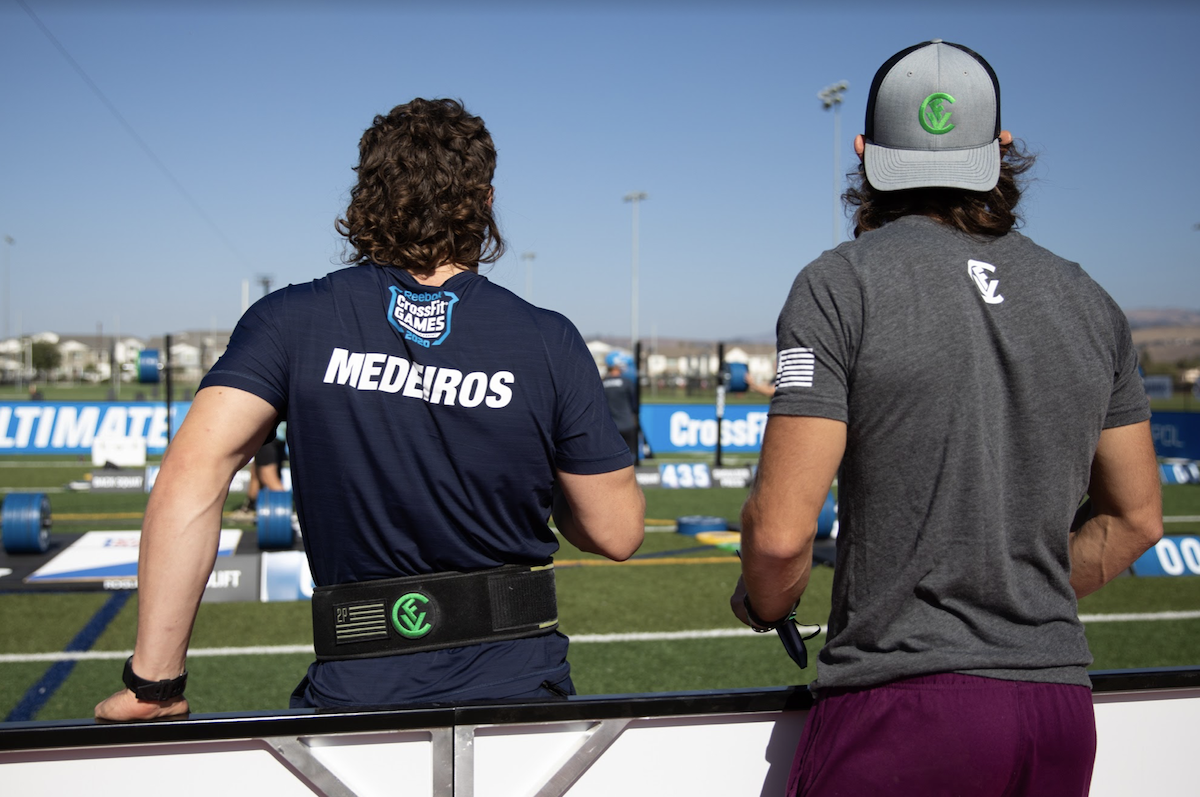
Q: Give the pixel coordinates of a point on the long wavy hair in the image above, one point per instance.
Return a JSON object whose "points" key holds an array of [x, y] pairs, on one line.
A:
{"points": [[424, 192], [980, 213]]}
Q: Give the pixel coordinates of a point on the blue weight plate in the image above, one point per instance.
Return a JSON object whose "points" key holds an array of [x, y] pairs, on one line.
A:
{"points": [[737, 377], [25, 520], [148, 371], [275, 530], [694, 524]]}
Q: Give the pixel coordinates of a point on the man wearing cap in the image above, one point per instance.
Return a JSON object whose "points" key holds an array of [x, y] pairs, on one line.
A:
{"points": [[969, 390], [621, 394]]}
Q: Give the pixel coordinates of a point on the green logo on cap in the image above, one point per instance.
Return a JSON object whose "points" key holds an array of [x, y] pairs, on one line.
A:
{"points": [[408, 617], [934, 118]]}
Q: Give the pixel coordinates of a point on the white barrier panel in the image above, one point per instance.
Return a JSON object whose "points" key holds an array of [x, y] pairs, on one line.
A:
{"points": [[727, 744], [1146, 744]]}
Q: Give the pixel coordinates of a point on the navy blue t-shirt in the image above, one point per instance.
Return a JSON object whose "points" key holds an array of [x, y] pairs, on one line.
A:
{"points": [[424, 429]]}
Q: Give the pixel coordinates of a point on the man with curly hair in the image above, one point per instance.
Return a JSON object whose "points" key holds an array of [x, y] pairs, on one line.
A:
{"points": [[968, 389], [435, 421]]}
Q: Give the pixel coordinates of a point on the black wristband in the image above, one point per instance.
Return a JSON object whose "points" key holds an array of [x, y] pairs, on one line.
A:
{"points": [[156, 691], [760, 625]]}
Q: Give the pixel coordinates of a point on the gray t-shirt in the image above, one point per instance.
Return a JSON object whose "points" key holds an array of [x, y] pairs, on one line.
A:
{"points": [[975, 376]]}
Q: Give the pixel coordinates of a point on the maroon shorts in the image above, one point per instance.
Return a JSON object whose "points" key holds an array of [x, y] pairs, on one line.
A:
{"points": [[948, 734]]}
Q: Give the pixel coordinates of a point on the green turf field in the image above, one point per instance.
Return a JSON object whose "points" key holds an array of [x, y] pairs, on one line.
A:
{"points": [[671, 601]]}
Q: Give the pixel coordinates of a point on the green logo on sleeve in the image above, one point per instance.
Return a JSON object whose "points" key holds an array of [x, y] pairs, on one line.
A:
{"points": [[934, 118], [408, 616]]}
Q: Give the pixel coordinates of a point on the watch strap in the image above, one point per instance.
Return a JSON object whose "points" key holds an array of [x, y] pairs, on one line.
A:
{"points": [[760, 625], [156, 691]]}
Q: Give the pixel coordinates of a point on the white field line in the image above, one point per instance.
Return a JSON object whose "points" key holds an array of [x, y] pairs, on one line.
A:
{"points": [[576, 639]]}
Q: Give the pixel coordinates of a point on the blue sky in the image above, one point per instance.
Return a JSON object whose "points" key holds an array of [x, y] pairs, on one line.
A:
{"points": [[245, 119]]}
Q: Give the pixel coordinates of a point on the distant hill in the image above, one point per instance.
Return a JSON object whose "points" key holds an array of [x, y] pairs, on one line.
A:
{"points": [[673, 343], [1163, 317], [1170, 323], [764, 337]]}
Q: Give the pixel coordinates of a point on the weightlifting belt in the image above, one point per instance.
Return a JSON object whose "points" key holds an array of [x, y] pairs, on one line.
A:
{"points": [[442, 610]]}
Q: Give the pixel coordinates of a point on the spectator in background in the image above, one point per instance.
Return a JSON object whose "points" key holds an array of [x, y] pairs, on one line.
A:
{"points": [[621, 394], [968, 389], [759, 387], [435, 421]]}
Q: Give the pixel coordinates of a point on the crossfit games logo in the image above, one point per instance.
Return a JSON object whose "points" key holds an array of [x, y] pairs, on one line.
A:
{"points": [[423, 318]]}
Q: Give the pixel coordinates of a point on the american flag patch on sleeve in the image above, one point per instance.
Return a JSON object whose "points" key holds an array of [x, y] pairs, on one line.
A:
{"points": [[795, 368]]}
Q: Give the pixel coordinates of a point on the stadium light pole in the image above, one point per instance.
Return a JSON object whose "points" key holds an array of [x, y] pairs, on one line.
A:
{"points": [[8, 240], [831, 97], [527, 258], [635, 197]]}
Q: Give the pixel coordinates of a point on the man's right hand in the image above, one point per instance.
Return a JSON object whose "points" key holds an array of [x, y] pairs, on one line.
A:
{"points": [[123, 706]]}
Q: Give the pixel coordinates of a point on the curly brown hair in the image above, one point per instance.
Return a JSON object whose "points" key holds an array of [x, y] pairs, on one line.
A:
{"points": [[424, 190], [981, 213]]}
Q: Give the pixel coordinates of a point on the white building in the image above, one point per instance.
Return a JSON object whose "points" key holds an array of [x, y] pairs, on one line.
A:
{"points": [[91, 358]]}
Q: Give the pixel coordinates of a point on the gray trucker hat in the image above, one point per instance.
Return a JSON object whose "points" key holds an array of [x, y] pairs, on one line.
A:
{"points": [[933, 120]]}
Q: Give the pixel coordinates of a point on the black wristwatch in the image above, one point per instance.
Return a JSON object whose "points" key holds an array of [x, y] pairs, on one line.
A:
{"points": [[760, 625], [157, 691]]}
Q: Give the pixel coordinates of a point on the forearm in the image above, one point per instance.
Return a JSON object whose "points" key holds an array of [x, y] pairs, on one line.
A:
{"points": [[564, 519], [178, 548], [180, 534], [182, 527], [1105, 546], [612, 538], [775, 587], [1122, 518], [602, 514], [776, 565], [800, 456]]}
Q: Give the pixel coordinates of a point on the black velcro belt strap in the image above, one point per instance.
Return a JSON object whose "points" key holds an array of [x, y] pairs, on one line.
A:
{"points": [[429, 612]]}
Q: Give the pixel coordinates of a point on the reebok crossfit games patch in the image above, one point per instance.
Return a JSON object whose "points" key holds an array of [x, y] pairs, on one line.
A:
{"points": [[422, 317]]}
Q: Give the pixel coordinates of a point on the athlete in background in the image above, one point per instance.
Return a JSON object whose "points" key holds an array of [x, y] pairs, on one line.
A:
{"points": [[621, 395], [968, 389], [435, 421], [266, 472]]}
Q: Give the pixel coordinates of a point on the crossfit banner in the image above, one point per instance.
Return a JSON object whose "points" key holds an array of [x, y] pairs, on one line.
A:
{"points": [[1176, 434], [693, 427], [69, 427]]}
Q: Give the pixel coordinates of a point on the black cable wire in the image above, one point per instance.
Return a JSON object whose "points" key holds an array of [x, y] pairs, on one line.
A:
{"points": [[132, 133]]}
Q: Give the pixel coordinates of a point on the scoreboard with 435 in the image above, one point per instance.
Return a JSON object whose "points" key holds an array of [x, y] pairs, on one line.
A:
{"points": [[684, 475]]}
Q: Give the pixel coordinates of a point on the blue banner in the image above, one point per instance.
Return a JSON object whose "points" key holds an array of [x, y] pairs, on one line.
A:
{"points": [[67, 427], [673, 428], [1174, 555], [70, 427], [1179, 473], [1176, 434]]}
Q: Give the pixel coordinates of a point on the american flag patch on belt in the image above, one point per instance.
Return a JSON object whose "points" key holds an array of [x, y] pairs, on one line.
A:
{"points": [[357, 622]]}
